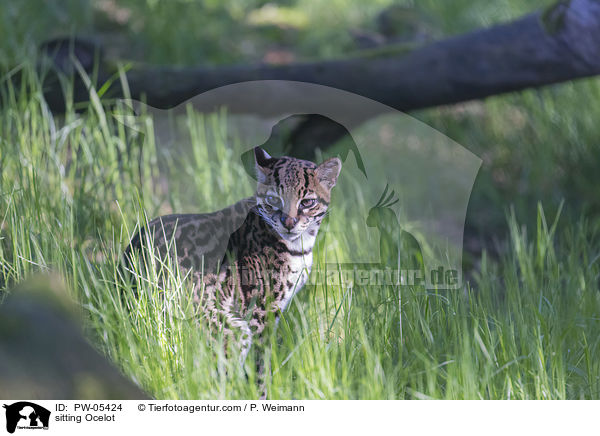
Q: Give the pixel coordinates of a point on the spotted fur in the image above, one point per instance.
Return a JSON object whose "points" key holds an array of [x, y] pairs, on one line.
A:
{"points": [[249, 259]]}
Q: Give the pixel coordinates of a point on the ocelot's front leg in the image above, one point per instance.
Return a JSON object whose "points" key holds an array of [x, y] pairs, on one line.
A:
{"points": [[246, 338], [221, 306], [262, 325]]}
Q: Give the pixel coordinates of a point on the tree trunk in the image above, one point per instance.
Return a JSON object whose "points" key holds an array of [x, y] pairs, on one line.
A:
{"points": [[560, 44]]}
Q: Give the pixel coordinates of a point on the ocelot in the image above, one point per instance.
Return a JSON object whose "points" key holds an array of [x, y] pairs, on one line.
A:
{"points": [[248, 260]]}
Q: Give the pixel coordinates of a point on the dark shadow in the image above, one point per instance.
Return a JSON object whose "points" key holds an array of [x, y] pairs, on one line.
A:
{"points": [[300, 136]]}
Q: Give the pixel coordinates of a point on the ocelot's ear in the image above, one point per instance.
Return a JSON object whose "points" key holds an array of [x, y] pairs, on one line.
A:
{"points": [[328, 172], [264, 163]]}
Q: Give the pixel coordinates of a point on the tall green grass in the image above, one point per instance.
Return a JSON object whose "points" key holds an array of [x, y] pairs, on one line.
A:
{"points": [[74, 189]]}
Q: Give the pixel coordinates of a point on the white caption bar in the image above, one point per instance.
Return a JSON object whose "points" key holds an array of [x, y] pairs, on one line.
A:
{"points": [[297, 417]]}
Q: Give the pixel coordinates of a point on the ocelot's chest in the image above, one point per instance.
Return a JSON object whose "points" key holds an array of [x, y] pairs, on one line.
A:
{"points": [[298, 269]]}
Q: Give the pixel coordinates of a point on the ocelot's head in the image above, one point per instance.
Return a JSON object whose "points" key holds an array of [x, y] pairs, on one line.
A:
{"points": [[293, 194]]}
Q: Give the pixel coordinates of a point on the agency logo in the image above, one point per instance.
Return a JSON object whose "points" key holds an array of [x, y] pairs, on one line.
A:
{"points": [[403, 189], [26, 415]]}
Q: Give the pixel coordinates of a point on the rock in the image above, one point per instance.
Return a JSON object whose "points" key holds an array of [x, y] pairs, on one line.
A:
{"points": [[44, 354]]}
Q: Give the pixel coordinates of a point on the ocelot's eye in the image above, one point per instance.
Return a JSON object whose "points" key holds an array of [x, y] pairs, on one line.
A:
{"points": [[273, 201], [308, 202]]}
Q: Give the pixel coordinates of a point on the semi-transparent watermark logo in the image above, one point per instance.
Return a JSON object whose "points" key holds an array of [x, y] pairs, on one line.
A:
{"points": [[402, 194], [354, 275]]}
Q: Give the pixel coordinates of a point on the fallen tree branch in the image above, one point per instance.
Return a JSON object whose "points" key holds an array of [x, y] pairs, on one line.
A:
{"points": [[562, 43]]}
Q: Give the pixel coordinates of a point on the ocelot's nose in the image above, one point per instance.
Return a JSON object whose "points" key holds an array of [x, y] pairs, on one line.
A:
{"points": [[288, 221]]}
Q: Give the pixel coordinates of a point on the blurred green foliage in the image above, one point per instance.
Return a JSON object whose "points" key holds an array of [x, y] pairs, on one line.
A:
{"points": [[192, 32]]}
